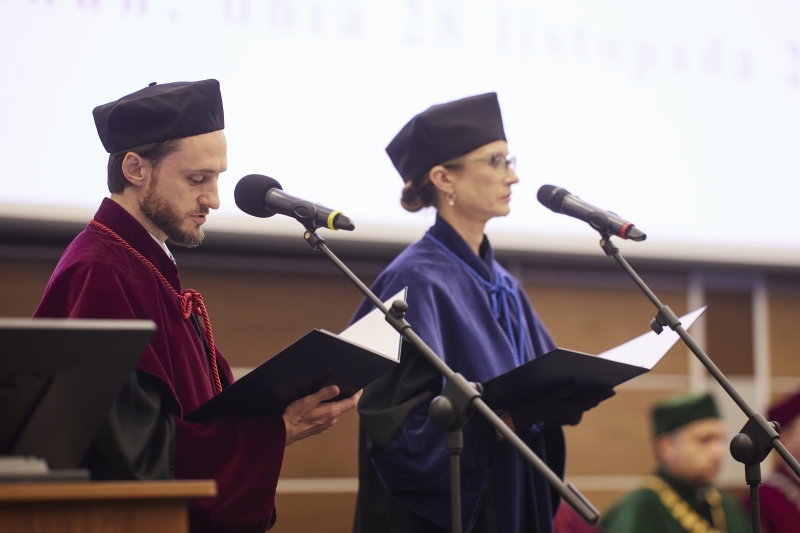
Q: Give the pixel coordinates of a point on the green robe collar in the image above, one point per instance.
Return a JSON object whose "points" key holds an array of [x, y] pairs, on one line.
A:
{"points": [[694, 497]]}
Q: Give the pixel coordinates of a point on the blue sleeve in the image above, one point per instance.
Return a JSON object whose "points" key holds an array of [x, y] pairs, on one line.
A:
{"points": [[406, 448]]}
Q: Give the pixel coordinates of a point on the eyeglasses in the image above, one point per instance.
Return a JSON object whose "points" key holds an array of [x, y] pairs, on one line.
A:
{"points": [[499, 162]]}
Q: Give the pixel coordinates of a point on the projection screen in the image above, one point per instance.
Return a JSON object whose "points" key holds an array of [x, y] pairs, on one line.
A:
{"points": [[681, 116]]}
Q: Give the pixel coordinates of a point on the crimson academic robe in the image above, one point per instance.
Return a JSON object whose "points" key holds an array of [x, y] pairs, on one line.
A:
{"points": [[463, 306], [145, 436], [780, 501], [567, 520]]}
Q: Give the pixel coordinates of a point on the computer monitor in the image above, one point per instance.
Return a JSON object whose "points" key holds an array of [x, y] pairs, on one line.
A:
{"points": [[58, 380]]}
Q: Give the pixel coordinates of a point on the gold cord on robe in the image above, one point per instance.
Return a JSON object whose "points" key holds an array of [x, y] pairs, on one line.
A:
{"points": [[681, 511]]}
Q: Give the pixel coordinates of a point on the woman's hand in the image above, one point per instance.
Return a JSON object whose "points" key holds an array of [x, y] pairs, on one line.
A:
{"points": [[309, 416]]}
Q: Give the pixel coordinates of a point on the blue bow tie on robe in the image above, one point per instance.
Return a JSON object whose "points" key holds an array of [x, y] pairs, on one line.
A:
{"points": [[503, 295]]}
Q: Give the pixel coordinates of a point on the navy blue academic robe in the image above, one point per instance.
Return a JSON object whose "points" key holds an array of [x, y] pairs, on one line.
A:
{"points": [[403, 465]]}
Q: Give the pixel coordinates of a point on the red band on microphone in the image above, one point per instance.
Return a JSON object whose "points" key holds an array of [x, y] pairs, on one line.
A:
{"points": [[623, 231]]}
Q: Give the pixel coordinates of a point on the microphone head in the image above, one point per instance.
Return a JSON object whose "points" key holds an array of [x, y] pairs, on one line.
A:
{"points": [[250, 194], [635, 234], [343, 222], [552, 197]]}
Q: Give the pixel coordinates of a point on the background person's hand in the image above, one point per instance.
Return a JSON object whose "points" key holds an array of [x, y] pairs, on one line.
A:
{"points": [[309, 416]]}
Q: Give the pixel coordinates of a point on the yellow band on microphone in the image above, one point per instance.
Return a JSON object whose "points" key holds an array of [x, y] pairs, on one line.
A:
{"points": [[330, 219]]}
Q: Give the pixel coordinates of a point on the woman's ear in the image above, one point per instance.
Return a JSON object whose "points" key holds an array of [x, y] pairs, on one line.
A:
{"points": [[442, 179], [136, 169]]}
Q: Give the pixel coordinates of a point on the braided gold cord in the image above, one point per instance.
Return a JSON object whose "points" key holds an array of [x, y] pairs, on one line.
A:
{"points": [[683, 513], [714, 499]]}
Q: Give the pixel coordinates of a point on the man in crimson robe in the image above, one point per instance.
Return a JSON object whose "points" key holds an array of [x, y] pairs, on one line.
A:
{"points": [[780, 493], [167, 151]]}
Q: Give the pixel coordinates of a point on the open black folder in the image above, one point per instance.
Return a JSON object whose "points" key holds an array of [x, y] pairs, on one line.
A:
{"points": [[350, 360], [578, 373]]}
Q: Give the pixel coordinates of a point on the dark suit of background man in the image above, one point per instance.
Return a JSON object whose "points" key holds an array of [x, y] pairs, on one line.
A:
{"points": [[167, 151]]}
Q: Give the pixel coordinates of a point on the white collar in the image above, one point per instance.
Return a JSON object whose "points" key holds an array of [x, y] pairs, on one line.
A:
{"points": [[163, 245]]}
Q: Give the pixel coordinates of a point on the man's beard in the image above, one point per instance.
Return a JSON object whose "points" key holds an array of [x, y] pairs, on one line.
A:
{"points": [[166, 217]]}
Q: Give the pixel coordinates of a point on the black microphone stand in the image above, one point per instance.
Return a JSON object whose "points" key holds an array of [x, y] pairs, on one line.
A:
{"points": [[451, 410], [750, 446]]}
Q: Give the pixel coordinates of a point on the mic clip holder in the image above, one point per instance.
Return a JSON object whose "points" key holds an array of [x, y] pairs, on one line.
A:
{"points": [[600, 222], [305, 212], [606, 243], [314, 240]]}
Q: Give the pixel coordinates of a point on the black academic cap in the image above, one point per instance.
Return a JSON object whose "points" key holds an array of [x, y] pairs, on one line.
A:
{"points": [[445, 131], [160, 113]]}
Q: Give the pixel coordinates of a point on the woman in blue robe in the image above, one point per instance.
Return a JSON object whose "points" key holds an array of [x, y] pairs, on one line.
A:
{"points": [[477, 318]]}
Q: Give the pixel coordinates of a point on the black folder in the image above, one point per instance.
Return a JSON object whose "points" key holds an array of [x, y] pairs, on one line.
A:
{"points": [[318, 359], [572, 376], [554, 371]]}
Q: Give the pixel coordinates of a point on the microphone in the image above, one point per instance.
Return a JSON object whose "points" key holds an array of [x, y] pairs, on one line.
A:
{"points": [[262, 196], [562, 201]]}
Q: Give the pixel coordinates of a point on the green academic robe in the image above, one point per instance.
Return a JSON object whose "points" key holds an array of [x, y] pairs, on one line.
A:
{"points": [[644, 511]]}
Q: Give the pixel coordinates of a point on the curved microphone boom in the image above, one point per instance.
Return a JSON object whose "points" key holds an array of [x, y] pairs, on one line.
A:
{"points": [[562, 201], [262, 196]]}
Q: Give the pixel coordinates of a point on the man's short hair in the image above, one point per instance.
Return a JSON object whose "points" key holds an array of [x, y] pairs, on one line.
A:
{"points": [[152, 152]]}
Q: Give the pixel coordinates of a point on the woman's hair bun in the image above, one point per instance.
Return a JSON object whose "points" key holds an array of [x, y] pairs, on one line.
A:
{"points": [[418, 193], [410, 198]]}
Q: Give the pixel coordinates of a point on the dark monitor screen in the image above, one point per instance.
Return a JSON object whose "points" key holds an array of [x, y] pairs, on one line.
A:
{"points": [[58, 380]]}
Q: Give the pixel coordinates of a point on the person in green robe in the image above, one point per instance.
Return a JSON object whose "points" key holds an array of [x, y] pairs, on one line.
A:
{"points": [[680, 497]]}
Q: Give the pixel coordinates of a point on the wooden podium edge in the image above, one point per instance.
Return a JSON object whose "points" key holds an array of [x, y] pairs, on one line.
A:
{"points": [[108, 490]]}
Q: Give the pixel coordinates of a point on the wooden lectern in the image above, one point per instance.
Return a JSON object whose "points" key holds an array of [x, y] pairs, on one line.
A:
{"points": [[103, 506]]}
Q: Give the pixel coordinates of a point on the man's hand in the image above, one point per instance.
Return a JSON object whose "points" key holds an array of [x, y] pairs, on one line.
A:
{"points": [[309, 416]]}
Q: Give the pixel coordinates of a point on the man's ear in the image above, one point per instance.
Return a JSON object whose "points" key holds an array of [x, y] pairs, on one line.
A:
{"points": [[136, 169], [664, 446]]}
